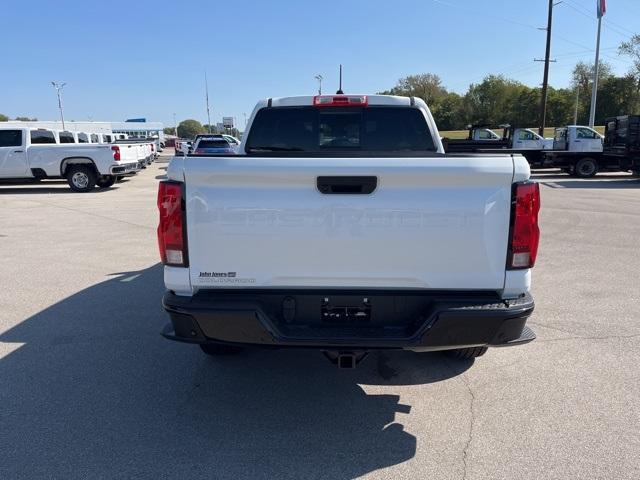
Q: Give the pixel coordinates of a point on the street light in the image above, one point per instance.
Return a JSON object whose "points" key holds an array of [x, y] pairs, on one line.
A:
{"points": [[59, 87], [319, 78]]}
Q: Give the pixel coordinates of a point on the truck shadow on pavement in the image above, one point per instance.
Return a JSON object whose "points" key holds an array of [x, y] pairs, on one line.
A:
{"points": [[92, 390]]}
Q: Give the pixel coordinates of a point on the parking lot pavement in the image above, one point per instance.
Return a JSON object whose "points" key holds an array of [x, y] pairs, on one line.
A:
{"points": [[89, 389]]}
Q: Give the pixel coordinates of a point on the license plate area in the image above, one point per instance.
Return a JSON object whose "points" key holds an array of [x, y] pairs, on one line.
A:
{"points": [[336, 311]]}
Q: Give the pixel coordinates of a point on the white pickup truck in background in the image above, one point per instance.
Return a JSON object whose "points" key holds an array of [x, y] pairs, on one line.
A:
{"points": [[343, 226], [35, 154]]}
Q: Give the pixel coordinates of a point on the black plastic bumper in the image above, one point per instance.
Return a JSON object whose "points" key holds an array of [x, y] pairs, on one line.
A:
{"points": [[409, 320]]}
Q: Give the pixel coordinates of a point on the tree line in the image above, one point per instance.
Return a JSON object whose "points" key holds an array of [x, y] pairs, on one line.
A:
{"points": [[497, 99], [4, 118]]}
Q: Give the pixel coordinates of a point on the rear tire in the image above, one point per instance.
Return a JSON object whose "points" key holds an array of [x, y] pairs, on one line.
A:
{"points": [[467, 353], [586, 167], [81, 178], [217, 349], [106, 181]]}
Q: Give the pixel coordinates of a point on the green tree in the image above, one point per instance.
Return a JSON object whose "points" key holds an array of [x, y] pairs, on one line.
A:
{"points": [[427, 86], [582, 80], [449, 113], [632, 50], [26, 119], [3, 118], [190, 128], [560, 104], [618, 96], [493, 101]]}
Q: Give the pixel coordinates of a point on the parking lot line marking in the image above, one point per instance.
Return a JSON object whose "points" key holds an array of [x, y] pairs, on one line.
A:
{"points": [[553, 185], [132, 277]]}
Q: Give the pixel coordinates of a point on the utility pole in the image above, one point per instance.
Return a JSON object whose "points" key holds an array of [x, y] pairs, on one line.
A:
{"points": [[340, 92], [59, 87], [602, 8], [545, 78], [175, 125], [319, 78], [206, 89]]}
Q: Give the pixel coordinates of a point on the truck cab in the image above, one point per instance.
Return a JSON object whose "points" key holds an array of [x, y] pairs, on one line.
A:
{"points": [[527, 139], [577, 138], [483, 134]]}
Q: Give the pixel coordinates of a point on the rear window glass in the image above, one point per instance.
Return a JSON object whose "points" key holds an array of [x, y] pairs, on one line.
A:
{"points": [[42, 136], [94, 138], [312, 129], [66, 137], [213, 144], [83, 138], [10, 138]]}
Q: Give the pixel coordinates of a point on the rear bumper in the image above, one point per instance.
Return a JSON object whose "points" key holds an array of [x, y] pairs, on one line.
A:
{"points": [[124, 169], [402, 320]]}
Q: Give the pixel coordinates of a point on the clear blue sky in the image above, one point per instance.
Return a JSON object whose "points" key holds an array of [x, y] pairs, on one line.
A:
{"points": [[139, 58]]}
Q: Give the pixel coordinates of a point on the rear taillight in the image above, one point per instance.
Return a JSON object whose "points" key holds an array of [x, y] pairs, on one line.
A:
{"points": [[340, 101], [171, 229], [116, 153], [525, 233]]}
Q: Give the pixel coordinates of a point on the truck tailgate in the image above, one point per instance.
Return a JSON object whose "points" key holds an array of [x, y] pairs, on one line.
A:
{"points": [[438, 222]]}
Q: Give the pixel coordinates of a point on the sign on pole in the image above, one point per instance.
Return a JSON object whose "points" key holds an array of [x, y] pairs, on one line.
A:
{"points": [[227, 122]]}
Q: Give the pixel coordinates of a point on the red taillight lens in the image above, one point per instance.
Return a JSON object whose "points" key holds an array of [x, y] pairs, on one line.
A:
{"points": [[116, 153], [525, 233], [340, 101], [171, 229]]}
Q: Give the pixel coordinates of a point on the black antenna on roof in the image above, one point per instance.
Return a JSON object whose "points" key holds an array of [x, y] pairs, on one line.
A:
{"points": [[340, 92]]}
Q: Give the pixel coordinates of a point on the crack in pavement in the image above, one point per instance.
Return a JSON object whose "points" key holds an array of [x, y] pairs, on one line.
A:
{"points": [[472, 420], [574, 336], [607, 337], [472, 417]]}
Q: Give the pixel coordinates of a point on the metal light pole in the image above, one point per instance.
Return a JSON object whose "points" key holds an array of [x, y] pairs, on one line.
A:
{"points": [[319, 78], [59, 87], [206, 86], [175, 125], [575, 113]]}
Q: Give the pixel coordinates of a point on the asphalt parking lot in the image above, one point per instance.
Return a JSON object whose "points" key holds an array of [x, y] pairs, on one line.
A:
{"points": [[89, 389]]}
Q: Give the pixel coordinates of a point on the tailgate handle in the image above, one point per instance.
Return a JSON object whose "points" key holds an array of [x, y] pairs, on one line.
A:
{"points": [[347, 185]]}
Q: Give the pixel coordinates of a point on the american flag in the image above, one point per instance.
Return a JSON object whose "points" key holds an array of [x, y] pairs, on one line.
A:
{"points": [[602, 7]]}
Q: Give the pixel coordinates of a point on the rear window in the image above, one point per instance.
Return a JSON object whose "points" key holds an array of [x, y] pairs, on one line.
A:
{"points": [[66, 137], [83, 138], [312, 129], [10, 138], [94, 138], [213, 144], [42, 136]]}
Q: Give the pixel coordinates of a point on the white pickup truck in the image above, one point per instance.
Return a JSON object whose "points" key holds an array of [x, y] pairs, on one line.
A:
{"points": [[343, 226], [35, 154]]}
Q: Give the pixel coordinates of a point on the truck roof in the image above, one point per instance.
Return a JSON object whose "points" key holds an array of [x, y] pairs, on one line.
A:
{"points": [[307, 100]]}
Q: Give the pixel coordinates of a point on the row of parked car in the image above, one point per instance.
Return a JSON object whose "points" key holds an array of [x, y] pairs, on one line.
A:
{"points": [[205, 144], [85, 160]]}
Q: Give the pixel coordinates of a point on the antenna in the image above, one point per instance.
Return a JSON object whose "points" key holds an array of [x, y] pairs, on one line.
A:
{"points": [[340, 92], [206, 89]]}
